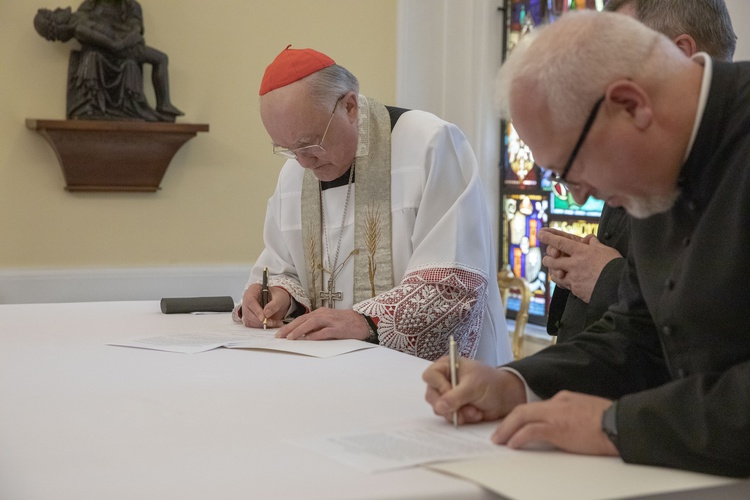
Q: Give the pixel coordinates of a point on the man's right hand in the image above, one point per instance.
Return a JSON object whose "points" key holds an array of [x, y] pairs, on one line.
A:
{"points": [[483, 393], [253, 314]]}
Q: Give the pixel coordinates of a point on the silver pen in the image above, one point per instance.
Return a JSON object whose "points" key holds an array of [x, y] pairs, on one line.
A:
{"points": [[265, 295], [453, 355]]}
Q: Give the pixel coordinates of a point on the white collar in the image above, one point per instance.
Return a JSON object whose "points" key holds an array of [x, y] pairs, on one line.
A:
{"points": [[704, 60]]}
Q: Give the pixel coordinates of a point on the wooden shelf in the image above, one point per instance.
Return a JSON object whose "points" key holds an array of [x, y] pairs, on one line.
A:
{"points": [[100, 155]]}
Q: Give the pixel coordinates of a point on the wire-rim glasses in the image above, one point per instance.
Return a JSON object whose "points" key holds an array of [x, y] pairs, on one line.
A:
{"points": [[312, 150]]}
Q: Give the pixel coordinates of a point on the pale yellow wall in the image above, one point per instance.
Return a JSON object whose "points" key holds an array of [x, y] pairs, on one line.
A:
{"points": [[211, 206]]}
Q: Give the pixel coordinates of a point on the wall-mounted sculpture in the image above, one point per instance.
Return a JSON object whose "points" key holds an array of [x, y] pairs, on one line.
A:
{"points": [[113, 139], [105, 77]]}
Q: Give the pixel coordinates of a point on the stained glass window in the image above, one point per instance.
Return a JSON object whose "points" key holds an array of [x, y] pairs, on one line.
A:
{"points": [[530, 199]]}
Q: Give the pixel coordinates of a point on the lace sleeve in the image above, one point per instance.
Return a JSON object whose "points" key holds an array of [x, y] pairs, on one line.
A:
{"points": [[430, 304]]}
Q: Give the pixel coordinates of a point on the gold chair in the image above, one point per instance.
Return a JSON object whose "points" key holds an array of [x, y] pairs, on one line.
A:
{"points": [[507, 281]]}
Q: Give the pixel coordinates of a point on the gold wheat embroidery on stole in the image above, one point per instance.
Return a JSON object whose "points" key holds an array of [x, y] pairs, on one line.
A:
{"points": [[372, 239], [313, 267]]}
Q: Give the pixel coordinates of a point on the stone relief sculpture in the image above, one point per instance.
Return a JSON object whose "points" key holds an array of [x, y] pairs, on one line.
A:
{"points": [[105, 77]]}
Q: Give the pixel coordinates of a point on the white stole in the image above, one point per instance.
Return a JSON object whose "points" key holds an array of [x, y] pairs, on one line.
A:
{"points": [[373, 268]]}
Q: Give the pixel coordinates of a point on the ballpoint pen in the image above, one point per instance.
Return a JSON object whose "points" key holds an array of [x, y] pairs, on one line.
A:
{"points": [[453, 355], [264, 295]]}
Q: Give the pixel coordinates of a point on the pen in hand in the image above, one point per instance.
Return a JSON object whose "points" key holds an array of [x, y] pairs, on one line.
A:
{"points": [[453, 355], [264, 295]]}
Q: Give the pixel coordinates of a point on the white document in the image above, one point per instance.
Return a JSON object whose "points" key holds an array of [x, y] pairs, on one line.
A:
{"points": [[415, 443], [237, 336], [316, 348], [566, 476], [188, 343]]}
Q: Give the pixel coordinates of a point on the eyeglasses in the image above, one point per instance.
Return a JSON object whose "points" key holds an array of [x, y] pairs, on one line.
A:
{"points": [[589, 122], [312, 150]]}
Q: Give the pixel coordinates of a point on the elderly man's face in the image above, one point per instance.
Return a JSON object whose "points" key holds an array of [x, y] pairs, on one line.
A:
{"points": [[293, 122], [612, 163]]}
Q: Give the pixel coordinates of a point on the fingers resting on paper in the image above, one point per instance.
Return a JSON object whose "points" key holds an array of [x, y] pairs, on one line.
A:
{"points": [[324, 324], [569, 421]]}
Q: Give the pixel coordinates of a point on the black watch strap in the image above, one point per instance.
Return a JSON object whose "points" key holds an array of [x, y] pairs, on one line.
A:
{"points": [[609, 423], [373, 338]]}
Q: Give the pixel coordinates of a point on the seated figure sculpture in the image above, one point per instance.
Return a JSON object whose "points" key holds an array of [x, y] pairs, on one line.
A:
{"points": [[105, 77]]}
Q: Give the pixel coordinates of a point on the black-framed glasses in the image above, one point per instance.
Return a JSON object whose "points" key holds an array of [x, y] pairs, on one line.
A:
{"points": [[312, 150], [589, 122]]}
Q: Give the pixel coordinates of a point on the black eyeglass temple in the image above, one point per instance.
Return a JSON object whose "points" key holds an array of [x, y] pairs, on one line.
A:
{"points": [[584, 133]]}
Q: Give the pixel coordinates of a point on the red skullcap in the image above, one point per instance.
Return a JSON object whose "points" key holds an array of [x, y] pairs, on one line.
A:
{"points": [[292, 65]]}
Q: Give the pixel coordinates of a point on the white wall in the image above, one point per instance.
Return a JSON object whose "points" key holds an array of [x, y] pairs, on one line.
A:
{"points": [[86, 285], [739, 11]]}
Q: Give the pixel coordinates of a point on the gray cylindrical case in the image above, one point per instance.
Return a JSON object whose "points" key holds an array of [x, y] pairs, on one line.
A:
{"points": [[196, 304]]}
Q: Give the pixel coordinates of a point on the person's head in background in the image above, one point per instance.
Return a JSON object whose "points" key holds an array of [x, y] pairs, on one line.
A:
{"points": [[694, 25]]}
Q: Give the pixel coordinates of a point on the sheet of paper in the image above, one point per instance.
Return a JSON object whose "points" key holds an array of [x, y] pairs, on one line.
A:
{"points": [[188, 343], [239, 337], [572, 477], [415, 443], [316, 348]]}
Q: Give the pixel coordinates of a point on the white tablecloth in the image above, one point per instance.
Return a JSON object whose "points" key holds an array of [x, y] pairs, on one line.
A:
{"points": [[83, 420]]}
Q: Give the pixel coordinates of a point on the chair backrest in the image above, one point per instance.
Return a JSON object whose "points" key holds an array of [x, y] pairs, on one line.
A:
{"points": [[507, 281]]}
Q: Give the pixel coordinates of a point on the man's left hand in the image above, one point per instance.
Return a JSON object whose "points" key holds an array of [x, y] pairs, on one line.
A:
{"points": [[324, 323], [570, 421]]}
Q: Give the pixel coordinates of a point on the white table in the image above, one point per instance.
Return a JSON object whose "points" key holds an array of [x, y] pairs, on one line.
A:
{"points": [[83, 420]]}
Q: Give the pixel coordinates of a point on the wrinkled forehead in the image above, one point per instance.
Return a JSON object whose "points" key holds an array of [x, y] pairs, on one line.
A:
{"points": [[290, 101], [290, 117]]}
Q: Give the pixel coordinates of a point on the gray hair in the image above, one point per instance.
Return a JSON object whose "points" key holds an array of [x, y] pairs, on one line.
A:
{"points": [[571, 62], [707, 21], [330, 83]]}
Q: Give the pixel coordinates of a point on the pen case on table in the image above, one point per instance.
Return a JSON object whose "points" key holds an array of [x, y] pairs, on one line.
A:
{"points": [[196, 304]]}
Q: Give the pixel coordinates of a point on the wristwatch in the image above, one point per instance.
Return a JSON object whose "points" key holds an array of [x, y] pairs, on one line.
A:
{"points": [[609, 423], [373, 338]]}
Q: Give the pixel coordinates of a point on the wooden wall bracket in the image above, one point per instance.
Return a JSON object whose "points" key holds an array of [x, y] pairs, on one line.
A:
{"points": [[101, 155]]}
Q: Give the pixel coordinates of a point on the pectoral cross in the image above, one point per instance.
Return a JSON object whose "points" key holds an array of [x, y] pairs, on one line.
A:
{"points": [[331, 295]]}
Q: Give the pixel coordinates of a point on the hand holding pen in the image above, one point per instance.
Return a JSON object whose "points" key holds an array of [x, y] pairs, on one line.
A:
{"points": [[265, 295], [453, 355], [485, 392]]}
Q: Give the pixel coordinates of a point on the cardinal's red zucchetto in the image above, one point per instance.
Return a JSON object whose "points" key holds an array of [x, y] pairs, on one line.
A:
{"points": [[292, 65]]}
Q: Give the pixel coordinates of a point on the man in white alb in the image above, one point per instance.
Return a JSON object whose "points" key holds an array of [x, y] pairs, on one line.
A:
{"points": [[383, 234]]}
